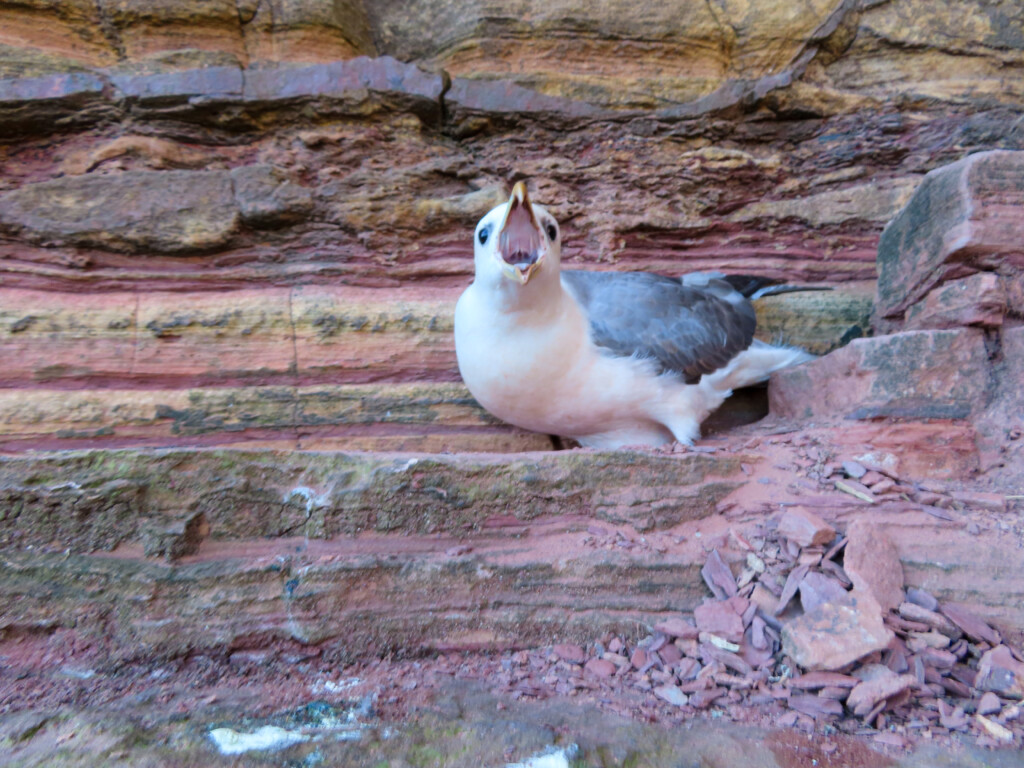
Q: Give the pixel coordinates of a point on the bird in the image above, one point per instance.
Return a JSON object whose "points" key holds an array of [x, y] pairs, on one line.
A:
{"points": [[609, 359]]}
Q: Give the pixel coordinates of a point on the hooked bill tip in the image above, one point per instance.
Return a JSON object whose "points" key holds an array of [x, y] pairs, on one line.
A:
{"points": [[519, 194]]}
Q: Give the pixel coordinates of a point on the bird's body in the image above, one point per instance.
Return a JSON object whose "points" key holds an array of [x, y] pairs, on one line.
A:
{"points": [[609, 359]]}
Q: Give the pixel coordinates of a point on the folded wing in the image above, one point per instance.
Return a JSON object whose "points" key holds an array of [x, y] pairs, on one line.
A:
{"points": [[691, 326]]}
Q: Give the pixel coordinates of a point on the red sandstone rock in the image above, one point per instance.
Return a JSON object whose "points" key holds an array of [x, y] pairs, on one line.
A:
{"points": [[971, 624], [805, 528], [1000, 672], [813, 680], [989, 704], [672, 694], [854, 469], [992, 502], [913, 375], [922, 598], [718, 576], [140, 211], [639, 658], [933, 619], [570, 652], [719, 618], [963, 218], [977, 300], [879, 683], [817, 707], [835, 634], [873, 564], [817, 588], [669, 654], [789, 589], [599, 668], [677, 627], [703, 699]]}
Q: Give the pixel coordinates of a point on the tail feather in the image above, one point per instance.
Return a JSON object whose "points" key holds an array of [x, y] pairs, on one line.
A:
{"points": [[775, 290], [756, 287], [756, 363]]}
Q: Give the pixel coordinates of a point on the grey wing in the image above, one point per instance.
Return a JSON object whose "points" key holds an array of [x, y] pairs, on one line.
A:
{"points": [[690, 326]]}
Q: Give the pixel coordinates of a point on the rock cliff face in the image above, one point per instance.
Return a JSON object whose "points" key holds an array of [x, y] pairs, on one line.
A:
{"points": [[225, 177], [243, 226]]}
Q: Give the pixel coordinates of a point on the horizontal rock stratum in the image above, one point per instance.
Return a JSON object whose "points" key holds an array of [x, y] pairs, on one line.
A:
{"points": [[231, 424], [440, 552]]}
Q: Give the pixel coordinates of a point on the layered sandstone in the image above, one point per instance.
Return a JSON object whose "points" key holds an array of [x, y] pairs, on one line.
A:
{"points": [[231, 238]]}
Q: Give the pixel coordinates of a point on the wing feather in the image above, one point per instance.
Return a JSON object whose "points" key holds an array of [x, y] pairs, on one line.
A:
{"points": [[689, 327]]}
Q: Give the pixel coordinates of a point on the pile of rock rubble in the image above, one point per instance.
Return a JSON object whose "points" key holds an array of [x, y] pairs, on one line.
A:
{"points": [[816, 631]]}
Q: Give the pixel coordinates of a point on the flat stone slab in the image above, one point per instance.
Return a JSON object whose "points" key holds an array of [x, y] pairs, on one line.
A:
{"points": [[837, 633], [152, 211], [110, 498], [353, 79], [913, 375], [978, 300]]}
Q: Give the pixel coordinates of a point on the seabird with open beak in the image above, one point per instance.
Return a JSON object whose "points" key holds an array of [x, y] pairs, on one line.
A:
{"points": [[609, 359]]}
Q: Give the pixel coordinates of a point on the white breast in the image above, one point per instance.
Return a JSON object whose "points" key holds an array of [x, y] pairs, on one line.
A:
{"points": [[540, 371]]}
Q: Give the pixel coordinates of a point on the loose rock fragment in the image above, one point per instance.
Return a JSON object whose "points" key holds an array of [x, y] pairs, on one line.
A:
{"points": [[952, 718], [718, 576], [882, 684], [934, 620], [922, 598], [989, 704], [805, 528], [918, 641], [854, 469], [639, 659], [719, 642], [719, 618], [998, 671], [672, 694], [991, 502], [676, 627], [570, 652], [994, 729], [873, 564], [814, 680], [703, 699], [973, 627], [670, 654], [835, 634], [600, 668], [817, 588], [857, 490], [816, 706], [793, 581]]}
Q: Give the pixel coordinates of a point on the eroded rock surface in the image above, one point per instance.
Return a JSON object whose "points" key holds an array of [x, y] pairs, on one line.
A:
{"points": [[246, 224], [961, 221]]}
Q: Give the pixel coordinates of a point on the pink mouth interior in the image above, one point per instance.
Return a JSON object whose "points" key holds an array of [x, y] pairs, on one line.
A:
{"points": [[520, 242]]}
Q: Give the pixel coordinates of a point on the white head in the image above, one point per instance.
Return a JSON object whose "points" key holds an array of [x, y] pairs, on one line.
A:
{"points": [[515, 241]]}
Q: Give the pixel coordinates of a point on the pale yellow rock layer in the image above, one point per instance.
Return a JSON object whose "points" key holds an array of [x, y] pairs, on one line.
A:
{"points": [[320, 331], [389, 417]]}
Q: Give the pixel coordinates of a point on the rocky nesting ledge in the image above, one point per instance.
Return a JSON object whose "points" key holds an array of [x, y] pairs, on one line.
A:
{"points": [[244, 495]]}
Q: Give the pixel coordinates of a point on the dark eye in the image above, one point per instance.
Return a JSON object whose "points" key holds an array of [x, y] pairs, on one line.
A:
{"points": [[552, 231], [483, 234]]}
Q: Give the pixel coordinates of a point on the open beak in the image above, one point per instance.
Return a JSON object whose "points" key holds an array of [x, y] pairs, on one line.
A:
{"points": [[521, 245]]}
